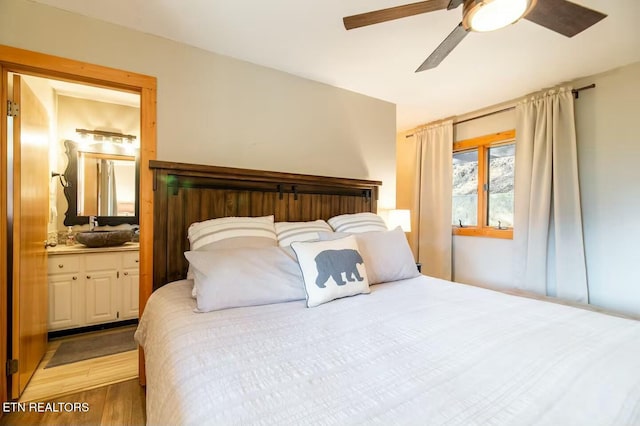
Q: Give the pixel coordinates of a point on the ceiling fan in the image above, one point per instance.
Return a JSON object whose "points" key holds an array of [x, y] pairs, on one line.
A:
{"points": [[561, 16]]}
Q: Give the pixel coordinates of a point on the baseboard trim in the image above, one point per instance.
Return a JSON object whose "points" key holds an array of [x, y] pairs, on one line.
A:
{"points": [[89, 328]]}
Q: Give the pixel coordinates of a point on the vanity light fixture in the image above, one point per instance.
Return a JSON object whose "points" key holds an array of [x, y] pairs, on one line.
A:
{"points": [[490, 15], [104, 136]]}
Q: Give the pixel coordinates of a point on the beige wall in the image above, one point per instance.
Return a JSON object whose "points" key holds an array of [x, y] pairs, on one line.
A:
{"points": [[217, 110], [608, 157], [406, 163], [75, 113]]}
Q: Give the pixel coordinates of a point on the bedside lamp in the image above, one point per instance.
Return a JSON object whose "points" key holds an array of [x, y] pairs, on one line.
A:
{"points": [[401, 218]]}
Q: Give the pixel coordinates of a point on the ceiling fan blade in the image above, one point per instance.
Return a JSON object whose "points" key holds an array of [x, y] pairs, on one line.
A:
{"points": [[383, 15], [444, 48], [564, 17]]}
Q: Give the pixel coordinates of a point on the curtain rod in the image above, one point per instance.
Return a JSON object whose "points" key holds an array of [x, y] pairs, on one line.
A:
{"points": [[575, 92]]}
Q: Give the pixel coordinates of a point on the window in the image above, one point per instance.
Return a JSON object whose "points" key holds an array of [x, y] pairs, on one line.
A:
{"points": [[483, 180]]}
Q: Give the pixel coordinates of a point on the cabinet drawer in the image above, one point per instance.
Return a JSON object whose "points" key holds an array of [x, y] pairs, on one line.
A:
{"points": [[63, 264], [131, 259], [102, 262]]}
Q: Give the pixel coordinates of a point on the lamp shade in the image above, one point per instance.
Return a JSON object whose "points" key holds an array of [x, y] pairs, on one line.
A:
{"points": [[401, 218]]}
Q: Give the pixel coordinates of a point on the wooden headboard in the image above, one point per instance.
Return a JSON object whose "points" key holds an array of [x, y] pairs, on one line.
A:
{"points": [[187, 193]]}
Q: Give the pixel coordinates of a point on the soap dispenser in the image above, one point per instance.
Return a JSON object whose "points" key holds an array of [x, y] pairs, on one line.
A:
{"points": [[70, 239]]}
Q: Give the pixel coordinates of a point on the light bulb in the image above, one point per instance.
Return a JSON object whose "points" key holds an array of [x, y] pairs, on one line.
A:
{"points": [[490, 15]]}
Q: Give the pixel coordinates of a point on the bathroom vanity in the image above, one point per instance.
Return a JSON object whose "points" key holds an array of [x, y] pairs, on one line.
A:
{"points": [[91, 286]]}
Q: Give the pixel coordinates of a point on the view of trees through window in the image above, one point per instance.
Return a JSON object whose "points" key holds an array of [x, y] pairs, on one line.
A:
{"points": [[498, 176], [465, 188], [500, 190]]}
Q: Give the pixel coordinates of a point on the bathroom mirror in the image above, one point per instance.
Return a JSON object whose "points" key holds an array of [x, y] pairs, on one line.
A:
{"points": [[103, 180]]}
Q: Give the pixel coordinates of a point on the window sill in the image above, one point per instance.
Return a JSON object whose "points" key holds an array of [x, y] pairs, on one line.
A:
{"points": [[506, 234]]}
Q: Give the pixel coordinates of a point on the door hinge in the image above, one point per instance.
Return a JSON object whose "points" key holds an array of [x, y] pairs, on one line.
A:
{"points": [[12, 366], [12, 109]]}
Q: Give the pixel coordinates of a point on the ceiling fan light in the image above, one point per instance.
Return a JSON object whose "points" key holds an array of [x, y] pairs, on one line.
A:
{"points": [[490, 15]]}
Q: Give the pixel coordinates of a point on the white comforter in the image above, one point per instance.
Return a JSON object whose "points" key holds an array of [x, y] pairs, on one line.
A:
{"points": [[420, 351]]}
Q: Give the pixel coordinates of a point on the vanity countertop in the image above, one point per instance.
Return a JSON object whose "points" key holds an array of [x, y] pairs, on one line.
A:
{"points": [[79, 248]]}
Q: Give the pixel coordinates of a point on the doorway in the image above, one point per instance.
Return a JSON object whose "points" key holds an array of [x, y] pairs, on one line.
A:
{"points": [[24, 62], [89, 144]]}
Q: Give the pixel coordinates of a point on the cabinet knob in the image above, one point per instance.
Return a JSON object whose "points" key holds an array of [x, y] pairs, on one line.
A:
{"points": [[126, 273], [60, 265], [137, 261], [74, 278], [88, 277]]}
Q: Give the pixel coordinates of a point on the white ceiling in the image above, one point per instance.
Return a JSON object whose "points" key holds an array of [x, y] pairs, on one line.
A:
{"points": [[307, 38]]}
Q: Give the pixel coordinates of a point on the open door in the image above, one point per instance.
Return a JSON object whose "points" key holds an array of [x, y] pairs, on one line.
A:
{"points": [[30, 217]]}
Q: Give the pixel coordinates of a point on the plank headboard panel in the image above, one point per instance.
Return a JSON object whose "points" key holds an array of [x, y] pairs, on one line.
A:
{"points": [[187, 193]]}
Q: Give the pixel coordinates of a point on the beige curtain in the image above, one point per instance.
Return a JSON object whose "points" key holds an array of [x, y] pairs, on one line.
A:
{"points": [[432, 198], [548, 219]]}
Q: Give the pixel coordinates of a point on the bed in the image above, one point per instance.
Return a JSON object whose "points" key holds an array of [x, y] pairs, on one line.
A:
{"points": [[411, 351]]}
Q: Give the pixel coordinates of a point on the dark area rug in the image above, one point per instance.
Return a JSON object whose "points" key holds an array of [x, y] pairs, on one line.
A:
{"points": [[93, 347]]}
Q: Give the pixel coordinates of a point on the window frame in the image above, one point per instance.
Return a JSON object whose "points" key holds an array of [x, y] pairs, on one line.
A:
{"points": [[482, 144]]}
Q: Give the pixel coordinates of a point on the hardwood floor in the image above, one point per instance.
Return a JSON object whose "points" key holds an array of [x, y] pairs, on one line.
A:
{"points": [[79, 376], [121, 404]]}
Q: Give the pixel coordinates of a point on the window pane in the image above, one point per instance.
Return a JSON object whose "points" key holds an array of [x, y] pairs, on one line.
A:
{"points": [[501, 179], [465, 188]]}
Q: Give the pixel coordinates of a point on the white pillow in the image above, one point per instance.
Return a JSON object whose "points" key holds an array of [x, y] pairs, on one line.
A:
{"points": [[357, 222], [232, 232], [331, 269], [244, 277], [386, 254], [288, 232]]}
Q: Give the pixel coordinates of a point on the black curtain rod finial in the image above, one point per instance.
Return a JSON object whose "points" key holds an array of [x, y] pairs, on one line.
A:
{"points": [[576, 92]]}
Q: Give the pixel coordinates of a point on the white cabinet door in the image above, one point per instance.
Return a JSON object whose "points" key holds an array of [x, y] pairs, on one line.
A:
{"points": [[105, 288], [101, 296], [130, 290], [65, 306]]}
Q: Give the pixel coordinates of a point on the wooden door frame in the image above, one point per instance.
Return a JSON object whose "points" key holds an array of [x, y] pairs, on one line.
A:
{"points": [[48, 66]]}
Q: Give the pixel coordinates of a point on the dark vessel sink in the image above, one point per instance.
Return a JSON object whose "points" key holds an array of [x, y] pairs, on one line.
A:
{"points": [[104, 238]]}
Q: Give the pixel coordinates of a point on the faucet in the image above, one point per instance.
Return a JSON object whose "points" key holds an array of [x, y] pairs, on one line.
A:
{"points": [[93, 222]]}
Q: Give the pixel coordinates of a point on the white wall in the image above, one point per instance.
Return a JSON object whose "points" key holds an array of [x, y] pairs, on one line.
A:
{"points": [[609, 167], [476, 260], [607, 121], [217, 110]]}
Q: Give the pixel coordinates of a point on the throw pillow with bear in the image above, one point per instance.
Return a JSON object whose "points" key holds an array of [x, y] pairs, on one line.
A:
{"points": [[331, 269]]}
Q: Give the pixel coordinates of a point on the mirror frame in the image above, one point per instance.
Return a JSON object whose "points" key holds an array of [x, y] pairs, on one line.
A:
{"points": [[71, 190]]}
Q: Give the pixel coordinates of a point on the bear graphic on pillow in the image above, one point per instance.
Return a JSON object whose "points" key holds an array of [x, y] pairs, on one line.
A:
{"points": [[333, 263]]}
